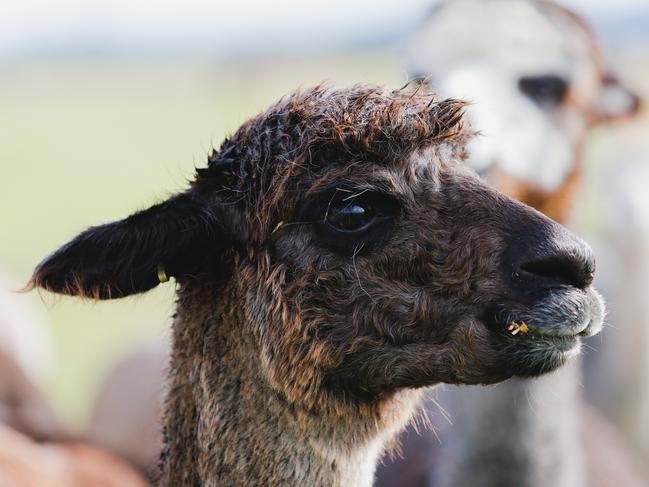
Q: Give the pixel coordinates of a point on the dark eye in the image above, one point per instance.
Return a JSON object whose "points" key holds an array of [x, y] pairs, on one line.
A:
{"points": [[350, 221], [350, 217], [549, 89]]}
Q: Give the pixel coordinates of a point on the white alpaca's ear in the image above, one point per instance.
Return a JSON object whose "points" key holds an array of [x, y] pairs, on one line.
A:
{"points": [[135, 254], [615, 101]]}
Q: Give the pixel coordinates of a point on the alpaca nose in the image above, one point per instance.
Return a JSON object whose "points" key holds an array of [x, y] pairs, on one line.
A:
{"points": [[567, 269], [550, 257]]}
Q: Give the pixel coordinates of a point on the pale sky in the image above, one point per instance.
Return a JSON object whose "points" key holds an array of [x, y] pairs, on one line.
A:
{"points": [[222, 25]]}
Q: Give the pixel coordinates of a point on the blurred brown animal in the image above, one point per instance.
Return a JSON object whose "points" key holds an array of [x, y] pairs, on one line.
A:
{"points": [[22, 406], [26, 356], [127, 416], [25, 463], [37, 450]]}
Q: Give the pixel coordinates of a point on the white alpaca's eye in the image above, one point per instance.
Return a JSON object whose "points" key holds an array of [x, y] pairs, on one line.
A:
{"points": [[350, 217], [546, 90]]}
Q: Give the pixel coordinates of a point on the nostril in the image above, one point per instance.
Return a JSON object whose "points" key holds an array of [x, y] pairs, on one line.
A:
{"points": [[562, 269]]}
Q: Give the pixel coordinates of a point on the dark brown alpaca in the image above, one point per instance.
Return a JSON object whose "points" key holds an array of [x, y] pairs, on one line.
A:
{"points": [[335, 257]]}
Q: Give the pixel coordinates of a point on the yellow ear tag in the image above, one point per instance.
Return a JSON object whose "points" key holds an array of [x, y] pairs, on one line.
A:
{"points": [[162, 275]]}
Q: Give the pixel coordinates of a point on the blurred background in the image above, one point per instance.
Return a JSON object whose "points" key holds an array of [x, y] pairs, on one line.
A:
{"points": [[107, 107]]}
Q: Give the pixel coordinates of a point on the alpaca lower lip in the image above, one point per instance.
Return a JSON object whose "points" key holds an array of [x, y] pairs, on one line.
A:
{"points": [[560, 341], [564, 344]]}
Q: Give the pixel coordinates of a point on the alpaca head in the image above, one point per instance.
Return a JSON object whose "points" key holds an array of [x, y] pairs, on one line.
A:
{"points": [[536, 80], [366, 257]]}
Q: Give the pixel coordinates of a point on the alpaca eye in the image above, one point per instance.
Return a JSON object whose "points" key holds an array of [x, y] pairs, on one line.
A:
{"points": [[548, 89], [351, 217], [351, 221]]}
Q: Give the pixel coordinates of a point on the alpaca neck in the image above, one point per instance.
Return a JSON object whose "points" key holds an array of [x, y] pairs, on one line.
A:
{"points": [[521, 432], [226, 425]]}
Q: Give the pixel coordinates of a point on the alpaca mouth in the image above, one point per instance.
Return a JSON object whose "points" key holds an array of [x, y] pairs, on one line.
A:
{"points": [[541, 336], [559, 314]]}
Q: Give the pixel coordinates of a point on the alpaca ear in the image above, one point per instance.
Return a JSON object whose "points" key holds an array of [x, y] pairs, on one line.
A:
{"points": [[615, 101], [135, 254]]}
